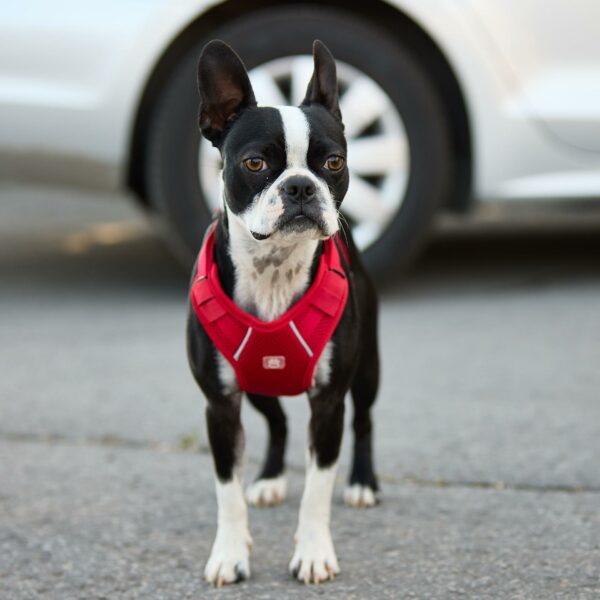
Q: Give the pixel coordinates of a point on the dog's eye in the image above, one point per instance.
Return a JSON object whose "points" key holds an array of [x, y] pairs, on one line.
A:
{"points": [[334, 163], [255, 164]]}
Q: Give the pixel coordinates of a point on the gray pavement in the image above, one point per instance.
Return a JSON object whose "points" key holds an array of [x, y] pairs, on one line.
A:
{"points": [[488, 422]]}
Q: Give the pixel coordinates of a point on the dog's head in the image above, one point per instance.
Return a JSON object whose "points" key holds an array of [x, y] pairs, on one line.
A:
{"points": [[284, 168]]}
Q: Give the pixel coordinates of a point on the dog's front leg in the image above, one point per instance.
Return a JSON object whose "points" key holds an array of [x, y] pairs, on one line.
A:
{"points": [[229, 558], [314, 558]]}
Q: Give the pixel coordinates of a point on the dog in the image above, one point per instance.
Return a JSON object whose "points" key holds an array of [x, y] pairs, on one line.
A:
{"points": [[284, 179]]}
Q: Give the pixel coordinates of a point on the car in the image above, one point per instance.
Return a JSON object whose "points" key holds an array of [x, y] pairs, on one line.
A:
{"points": [[446, 103]]}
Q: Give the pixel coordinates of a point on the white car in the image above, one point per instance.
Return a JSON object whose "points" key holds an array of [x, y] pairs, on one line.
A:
{"points": [[444, 101]]}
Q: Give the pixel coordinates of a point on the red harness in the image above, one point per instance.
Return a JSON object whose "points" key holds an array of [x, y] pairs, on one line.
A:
{"points": [[277, 357]]}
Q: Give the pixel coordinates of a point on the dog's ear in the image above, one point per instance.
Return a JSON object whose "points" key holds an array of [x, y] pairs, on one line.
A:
{"points": [[323, 86], [225, 89]]}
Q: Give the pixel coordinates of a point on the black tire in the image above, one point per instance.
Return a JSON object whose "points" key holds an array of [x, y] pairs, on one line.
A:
{"points": [[172, 154]]}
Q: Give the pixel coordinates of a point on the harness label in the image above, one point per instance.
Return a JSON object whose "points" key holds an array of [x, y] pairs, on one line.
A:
{"points": [[273, 362]]}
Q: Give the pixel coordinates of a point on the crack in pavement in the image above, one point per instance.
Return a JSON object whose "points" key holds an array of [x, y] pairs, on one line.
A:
{"points": [[489, 485], [190, 444], [185, 444]]}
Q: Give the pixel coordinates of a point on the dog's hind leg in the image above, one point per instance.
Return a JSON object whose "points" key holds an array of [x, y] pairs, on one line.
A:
{"points": [[362, 481], [270, 487]]}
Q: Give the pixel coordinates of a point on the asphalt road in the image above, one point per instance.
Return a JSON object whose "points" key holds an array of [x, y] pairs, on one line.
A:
{"points": [[488, 421]]}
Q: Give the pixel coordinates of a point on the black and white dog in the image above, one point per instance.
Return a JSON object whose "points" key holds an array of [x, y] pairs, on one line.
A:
{"points": [[284, 178]]}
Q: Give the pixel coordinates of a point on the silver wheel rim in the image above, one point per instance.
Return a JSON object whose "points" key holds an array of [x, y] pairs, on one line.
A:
{"points": [[378, 149]]}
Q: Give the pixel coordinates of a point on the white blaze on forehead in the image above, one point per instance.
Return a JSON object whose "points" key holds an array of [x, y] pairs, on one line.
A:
{"points": [[296, 131]]}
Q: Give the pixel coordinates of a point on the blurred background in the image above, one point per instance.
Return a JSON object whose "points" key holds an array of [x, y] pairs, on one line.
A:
{"points": [[474, 150]]}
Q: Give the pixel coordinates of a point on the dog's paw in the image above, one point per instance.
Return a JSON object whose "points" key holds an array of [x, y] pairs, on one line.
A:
{"points": [[360, 496], [314, 558], [267, 492], [229, 560]]}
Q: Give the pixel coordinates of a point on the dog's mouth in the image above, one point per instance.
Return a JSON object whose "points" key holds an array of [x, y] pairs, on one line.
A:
{"points": [[260, 236], [297, 223]]}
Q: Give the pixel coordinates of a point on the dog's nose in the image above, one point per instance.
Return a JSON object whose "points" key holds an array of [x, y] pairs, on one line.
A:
{"points": [[299, 189]]}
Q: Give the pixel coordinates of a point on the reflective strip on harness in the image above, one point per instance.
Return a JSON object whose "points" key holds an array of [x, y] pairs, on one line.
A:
{"points": [[277, 357], [301, 339], [236, 356]]}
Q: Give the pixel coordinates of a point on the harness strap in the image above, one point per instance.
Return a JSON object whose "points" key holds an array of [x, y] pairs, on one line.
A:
{"points": [[277, 357]]}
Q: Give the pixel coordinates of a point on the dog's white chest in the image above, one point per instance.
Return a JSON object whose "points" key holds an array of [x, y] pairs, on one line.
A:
{"points": [[270, 277]]}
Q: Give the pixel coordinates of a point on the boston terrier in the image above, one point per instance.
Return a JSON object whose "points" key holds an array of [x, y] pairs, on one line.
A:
{"points": [[283, 182]]}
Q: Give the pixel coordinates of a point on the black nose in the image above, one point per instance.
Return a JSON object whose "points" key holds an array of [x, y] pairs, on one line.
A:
{"points": [[299, 189]]}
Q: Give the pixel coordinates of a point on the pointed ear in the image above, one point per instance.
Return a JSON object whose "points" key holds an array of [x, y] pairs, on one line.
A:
{"points": [[323, 87], [224, 87]]}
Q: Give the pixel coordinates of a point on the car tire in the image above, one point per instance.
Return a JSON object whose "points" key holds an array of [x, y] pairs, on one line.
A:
{"points": [[172, 152]]}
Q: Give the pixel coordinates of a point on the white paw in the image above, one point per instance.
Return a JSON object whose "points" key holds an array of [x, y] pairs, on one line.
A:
{"points": [[267, 492], [229, 557], [359, 496], [314, 558]]}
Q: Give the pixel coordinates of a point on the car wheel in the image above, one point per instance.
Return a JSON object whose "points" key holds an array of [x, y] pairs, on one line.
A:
{"points": [[398, 137]]}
